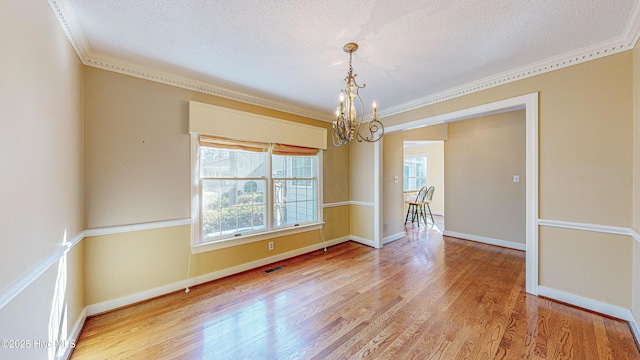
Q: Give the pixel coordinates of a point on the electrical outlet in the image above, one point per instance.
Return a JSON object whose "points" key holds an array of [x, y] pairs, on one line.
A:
{"points": [[516, 178], [270, 245]]}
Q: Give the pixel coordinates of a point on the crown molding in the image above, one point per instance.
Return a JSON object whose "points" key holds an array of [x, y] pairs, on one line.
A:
{"points": [[73, 30], [71, 27], [632, 28], [67, 19], [567, 59], [626, 41], [148, 73]]}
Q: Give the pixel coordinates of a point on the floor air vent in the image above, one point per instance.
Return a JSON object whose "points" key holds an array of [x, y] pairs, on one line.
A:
{"points": [[277, 268]]}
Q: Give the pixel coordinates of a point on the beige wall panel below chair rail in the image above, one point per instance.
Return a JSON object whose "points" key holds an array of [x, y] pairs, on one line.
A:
{"points": [[362, 222], [589, 264], [124, 264], [636, 281], [337, 222]]}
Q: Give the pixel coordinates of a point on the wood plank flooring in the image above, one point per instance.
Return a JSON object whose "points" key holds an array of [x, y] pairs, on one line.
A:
{"points": [[421, 297]]}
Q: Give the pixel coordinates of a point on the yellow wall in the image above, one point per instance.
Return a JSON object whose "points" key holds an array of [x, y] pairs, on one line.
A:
{"points": [[137, 171], [585, 164], [41, 182], [481, 157]]}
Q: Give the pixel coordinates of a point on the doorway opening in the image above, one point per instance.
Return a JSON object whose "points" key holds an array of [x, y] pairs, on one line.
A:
{"points": [[529, 103]]}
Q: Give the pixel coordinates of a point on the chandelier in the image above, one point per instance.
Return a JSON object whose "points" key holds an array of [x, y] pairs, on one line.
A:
{"points": [[346, 127]]}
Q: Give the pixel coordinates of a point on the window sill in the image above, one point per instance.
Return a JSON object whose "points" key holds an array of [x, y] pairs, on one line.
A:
{"points": [[247, 239]]}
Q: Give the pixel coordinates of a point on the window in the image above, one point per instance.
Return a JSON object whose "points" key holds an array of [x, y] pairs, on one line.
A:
{"points": [[294, 190], [233, 191], [246, 190], [415, 173]]}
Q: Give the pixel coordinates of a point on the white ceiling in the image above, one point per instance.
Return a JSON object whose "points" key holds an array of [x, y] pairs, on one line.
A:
{"points": [[288, 55]]}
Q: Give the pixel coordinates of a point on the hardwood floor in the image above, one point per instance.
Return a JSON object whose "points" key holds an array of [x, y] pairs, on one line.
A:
{"points": [[421, 297]]}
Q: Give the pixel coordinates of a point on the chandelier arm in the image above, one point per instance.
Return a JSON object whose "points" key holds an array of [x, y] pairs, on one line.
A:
{"points": [[375, 127]]}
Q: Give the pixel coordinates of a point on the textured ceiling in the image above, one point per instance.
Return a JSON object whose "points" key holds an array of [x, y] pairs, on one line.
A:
{"points": [[290, 52]]}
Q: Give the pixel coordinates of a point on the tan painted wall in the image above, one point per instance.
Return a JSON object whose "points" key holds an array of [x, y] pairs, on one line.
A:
{"points": [[481, 157], [636, 181], [41, 182], [393, 211], [636, 138], [361, 171], [433, 132], [585, 147], [137, 161], [435, 175]]}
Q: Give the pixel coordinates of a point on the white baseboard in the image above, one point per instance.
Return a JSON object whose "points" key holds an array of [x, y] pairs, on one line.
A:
{"points": [[594, 305], [393, 237], [634, 329], [75, 333], [362, 241], [486, 240], [586, 303], [165, 289]]}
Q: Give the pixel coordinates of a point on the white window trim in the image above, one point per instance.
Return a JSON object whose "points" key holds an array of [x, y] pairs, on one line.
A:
{"points": [[199, 247]]}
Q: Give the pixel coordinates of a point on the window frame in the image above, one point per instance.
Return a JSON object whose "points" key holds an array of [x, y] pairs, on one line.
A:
{"points": [[198, 244], [426, 172]]}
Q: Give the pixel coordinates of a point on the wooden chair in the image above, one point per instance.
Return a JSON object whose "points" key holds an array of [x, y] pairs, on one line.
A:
{"points": [[416, 207], [426, 201]]}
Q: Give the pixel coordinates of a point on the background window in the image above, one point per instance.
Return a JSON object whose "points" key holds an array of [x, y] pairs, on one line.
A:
{"points": [[415, 173]]}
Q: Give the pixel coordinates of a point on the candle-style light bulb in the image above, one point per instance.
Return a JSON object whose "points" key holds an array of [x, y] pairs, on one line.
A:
{"points": [[374, 108]]}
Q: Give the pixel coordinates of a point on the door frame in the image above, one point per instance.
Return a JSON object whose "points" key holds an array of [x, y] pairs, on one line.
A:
{"points": [[529, 103]]}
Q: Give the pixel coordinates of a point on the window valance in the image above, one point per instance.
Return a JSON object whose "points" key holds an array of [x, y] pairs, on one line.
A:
{"points": [[209, 119]]}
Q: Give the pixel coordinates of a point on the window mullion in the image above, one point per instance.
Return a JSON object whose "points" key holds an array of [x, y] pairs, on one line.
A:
{"points": [[270, 192]]}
